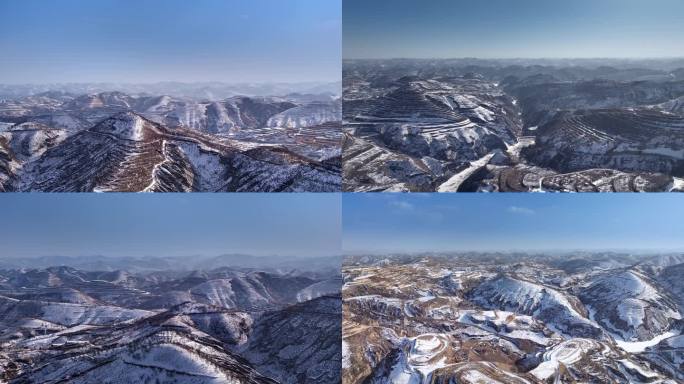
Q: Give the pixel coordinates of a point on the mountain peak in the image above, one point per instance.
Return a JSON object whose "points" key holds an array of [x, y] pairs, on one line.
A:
{"points": [[125, 125]]}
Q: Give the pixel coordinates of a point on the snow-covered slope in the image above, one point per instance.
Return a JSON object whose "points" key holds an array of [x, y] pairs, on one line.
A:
{"points": [[493, 317], [65, 324], [416, 124], [555, 308], [321, 288], [112, 141], [307, 115], [169, 356], [630, 306], [300, 343], [66, 314]]}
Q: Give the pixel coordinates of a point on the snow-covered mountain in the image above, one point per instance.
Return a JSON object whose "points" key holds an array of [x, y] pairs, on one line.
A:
{"points": [[630, 306], [494, 125], [441, 317], [211, 326], [564, 313], [112, 141]]}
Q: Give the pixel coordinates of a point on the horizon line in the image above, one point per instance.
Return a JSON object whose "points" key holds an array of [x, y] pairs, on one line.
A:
{"points": [[518, 58], [173, 256], [175, 81], [389, 252]]}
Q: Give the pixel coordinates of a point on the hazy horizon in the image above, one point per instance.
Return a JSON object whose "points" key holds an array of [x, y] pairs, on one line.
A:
{"points": [[204, 82], [510, 251], [514, 58], [205, 40], [203, 256], [521, 29]]}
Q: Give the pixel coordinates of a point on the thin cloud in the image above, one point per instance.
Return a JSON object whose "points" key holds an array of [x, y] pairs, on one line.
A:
{"points": [[416, 210], [520, 210], [402, 205]]}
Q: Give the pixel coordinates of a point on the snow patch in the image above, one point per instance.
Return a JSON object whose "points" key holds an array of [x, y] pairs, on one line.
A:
{"points": [[455, 181], [207, 165], [640, 346]]}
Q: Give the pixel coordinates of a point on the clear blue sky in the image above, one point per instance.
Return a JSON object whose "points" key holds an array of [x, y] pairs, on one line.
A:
{"points": [[169, 224], [425, 222], [513, 28], [179, 40]]}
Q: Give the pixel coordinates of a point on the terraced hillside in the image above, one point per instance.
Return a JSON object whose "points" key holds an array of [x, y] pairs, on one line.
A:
{"points": [[630, 140], [450, 125], [511, 318]]}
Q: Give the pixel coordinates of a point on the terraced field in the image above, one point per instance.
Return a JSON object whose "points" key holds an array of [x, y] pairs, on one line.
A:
{"points": [[537, 132], [508, 318]]}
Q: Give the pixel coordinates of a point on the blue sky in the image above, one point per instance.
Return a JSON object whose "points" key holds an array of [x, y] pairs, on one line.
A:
{"points": [[170, 40], [169, 224], [513, 29], [439, 222]]}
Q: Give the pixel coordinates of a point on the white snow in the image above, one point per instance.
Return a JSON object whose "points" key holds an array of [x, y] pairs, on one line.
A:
{"points": [[161, 104], [306, 115], [632, 296], [191, 115], [424, 299], [455, 181], [640, 346], [628, 364], [403, 374], [206, 163], [632, 311], [128, 127], [484, 114], [426, 346], [171, 357], [423, 358], [514, 150], [4, 126], [677, 184], [73, 314], [132, 131], [319, 289], [466, 101], [529, 335], [346, 355], [155, 169], [29, 145], [478, 377], [224, 123], [566, 353]]}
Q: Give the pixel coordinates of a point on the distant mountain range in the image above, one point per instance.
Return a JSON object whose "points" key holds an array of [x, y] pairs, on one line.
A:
{"points": [[160, 263], [203, 90]]}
